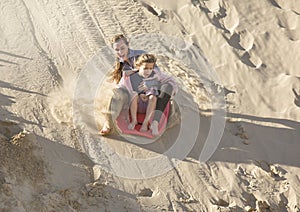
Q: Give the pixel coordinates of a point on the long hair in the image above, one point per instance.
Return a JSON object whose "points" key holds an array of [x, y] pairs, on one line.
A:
{"points": [[117, 72]]}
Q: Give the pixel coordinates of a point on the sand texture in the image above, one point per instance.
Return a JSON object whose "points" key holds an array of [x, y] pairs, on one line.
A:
{"points": [[232, 144]]}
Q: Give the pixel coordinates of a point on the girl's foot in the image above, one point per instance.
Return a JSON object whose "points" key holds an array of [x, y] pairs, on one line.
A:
{"points": [[131, 126], [154, 128], [144, 127], [105, 130]]}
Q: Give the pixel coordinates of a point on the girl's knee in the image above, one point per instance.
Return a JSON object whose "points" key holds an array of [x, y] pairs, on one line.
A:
{"points": [[166, 91], [135, 99], [152, 98]]}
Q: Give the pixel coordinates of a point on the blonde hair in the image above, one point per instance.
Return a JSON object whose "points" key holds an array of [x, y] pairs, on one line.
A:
{"points": [[145, 58], [117, 72], [118, 37]]}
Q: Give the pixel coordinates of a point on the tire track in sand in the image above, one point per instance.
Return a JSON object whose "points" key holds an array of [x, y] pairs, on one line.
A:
{"points": [[113, 17]]}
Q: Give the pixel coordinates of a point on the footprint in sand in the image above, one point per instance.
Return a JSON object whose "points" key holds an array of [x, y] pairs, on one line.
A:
{"points": [[289, 18], [225, 16], [246, 39], [290, 21], [212, 5], [251, 59], [222, 15], [293, 34], [243, 40], [231, 21], [239, 130], [154, 10]]}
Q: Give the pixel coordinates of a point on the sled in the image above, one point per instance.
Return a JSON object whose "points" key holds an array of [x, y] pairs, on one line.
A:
{"points": [[122, 123]]}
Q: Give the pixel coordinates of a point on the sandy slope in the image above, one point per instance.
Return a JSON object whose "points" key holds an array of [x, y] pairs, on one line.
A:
{"points": [[52, 58]]}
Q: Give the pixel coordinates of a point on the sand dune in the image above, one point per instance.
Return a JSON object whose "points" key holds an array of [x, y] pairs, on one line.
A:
{"points": [[233, 147]]}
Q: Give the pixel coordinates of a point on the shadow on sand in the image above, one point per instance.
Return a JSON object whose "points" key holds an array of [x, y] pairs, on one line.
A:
{"points": [[12, 55], [264, 136], [6, 101]]}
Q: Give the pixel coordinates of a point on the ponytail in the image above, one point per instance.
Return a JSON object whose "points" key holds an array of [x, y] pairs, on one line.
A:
{"points": [[117, 73]]}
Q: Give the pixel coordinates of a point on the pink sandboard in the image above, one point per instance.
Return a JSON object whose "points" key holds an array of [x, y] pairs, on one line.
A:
{"points": [[122, 123]]}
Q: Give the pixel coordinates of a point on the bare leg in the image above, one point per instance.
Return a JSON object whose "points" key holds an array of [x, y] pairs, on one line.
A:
{"points": [[150, 109], [133, 112], [118, 100], [105, 129]]}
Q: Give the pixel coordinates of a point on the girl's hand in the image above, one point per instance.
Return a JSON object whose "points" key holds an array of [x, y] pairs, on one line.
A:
{"points": [[142, 87]]}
